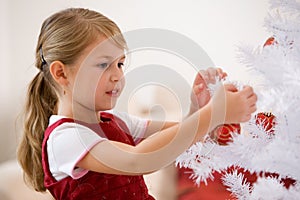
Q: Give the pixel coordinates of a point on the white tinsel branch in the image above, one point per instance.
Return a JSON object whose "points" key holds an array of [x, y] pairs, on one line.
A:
{"points": [[280, 156], [268, 188], [288, 6], [237, 185], [257, 149], [204, 159], [278, 24]]}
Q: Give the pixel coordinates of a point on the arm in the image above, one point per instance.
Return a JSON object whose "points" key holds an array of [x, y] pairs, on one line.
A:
{"points": [[156, 126], [151, 154], [166, 145]]}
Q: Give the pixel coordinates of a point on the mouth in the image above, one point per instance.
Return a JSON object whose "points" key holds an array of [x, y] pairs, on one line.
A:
{"points": [[113, 93]]}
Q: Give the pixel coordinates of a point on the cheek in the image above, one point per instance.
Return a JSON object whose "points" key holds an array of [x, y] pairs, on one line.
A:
{"points": [[95, 86], [122, 82], [85, 86], [100, 88]]}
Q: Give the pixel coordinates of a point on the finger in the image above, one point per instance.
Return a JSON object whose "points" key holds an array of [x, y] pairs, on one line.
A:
{"points": [[253, 108], [219, 70], [204, 75], [246, 118], [212, 74], [200, 77], [212, 71], [221, 74], [198, 88], [252, 99], [247, 91]]}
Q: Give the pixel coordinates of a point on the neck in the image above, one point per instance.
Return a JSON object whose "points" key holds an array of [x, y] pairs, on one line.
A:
{"points": [[77, 111]]}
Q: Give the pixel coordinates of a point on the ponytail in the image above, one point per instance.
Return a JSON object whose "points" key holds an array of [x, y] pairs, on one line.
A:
{"points": [[40, 105]]}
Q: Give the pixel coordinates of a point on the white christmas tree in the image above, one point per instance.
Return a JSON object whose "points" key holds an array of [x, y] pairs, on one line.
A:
{"points": [[269, 144]]}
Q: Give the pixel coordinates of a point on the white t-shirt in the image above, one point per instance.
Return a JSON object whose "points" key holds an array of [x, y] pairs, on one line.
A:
{"points": [[70, 142]]}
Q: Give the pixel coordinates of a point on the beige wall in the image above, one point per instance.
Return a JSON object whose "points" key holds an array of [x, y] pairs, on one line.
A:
{"points": [[215, 25]]}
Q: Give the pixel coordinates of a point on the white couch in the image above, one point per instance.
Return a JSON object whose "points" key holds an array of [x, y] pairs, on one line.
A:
{"points": [[12, 186]]}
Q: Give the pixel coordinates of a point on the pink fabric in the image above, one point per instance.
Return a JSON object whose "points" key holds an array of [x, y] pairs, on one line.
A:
{"points": [[95, 185]]}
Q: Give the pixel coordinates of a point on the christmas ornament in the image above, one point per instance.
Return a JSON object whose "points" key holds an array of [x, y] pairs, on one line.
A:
{"points": [[270, 41], [266, 120], [222, 133]]}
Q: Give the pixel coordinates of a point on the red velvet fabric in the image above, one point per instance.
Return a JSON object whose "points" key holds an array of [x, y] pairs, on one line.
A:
{"points": [[95, 185], [188, 190], [215, 190]]}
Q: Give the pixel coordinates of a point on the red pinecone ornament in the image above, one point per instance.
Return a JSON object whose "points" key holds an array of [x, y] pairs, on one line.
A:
{"points": [[222, 133], [266, 120], [270, 41]]}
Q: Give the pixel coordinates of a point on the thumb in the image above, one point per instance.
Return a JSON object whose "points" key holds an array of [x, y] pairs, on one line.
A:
{"points": [[230, 87]]}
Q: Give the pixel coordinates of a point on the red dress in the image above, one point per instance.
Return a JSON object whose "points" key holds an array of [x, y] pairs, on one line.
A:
{"points": [[93, 185]]}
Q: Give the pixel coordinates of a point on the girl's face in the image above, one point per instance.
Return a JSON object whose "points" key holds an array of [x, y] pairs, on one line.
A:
{"points": [[98, 80]]}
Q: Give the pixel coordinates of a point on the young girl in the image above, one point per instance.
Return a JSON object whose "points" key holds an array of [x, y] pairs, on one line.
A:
{"points": [[73, 148]]}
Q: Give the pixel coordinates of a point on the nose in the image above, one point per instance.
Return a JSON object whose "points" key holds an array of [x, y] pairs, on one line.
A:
{"points": [[116, 73]]}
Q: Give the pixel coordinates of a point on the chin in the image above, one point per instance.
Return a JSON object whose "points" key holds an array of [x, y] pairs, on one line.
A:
{"points": [[106, 107]]}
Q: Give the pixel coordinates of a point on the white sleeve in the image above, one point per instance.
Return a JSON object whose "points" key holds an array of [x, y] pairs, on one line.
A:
{"points": [[66, 146], [136, 125]]}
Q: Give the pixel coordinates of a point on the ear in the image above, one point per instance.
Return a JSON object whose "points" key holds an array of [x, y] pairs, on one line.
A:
{"points": [[58, 72]]}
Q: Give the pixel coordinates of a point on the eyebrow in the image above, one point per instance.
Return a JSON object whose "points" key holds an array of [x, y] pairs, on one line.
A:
{"points": [[110, 57]]}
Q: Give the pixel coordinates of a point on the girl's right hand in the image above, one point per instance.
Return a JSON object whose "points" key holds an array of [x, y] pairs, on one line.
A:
{"points": [[232, 106]]}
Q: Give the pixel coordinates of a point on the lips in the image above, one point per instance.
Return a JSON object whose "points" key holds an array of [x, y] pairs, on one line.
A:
{"points": [[113, 93]]}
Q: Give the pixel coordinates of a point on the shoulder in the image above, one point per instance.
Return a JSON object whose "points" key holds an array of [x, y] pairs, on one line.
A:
{"points": [[63, 124], [65, 129], [67, 144]]}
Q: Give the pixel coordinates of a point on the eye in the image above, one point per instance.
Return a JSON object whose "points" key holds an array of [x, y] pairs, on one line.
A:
{"points": [[120, 65], [103, 65]]}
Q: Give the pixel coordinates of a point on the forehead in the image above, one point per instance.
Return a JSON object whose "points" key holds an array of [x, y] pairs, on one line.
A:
{"points": [[104, 47]]}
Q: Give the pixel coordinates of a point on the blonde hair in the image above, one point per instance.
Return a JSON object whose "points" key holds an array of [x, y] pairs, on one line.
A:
{"points": [[63, 37]]}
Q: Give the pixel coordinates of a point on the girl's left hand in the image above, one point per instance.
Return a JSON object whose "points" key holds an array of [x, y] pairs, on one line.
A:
{"points": [[200, 95]]}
